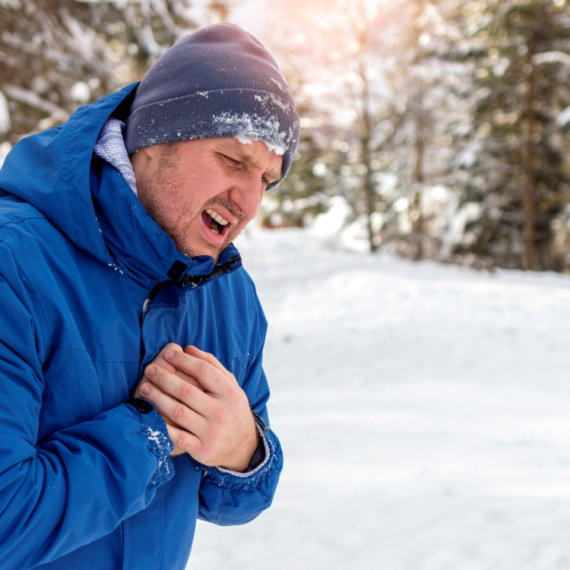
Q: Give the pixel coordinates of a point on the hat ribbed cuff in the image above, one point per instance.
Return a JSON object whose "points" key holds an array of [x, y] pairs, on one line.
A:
{"points": [[254, 114]]}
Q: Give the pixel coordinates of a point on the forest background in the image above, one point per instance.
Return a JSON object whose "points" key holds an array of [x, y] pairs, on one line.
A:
{"points": [[432, 129]]}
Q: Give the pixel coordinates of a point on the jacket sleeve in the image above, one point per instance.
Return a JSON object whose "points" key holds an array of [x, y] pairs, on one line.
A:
{"points": [[80, 483], [228, 498]]}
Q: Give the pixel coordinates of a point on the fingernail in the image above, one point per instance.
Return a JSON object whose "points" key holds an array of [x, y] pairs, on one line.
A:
{"points": [[145, 389], [170, 354], [151, 371]]}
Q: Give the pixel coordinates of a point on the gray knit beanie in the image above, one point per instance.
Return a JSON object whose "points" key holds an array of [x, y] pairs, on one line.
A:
{"points": [[217, 82]]}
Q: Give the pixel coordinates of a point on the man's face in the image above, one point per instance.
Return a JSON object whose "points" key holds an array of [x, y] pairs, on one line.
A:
{"points": [[202, 193]]}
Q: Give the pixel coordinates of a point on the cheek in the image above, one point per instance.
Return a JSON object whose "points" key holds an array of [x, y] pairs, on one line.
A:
{"points": [[182, 206], [176, 194], [165, 201]]}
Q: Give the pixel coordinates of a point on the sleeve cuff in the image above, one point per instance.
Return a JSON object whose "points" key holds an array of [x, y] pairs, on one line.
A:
{"points": [[260, 457], [152, 426]]}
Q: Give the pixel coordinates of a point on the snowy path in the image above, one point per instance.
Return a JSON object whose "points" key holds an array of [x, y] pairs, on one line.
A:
{"points": [[424, 411]]}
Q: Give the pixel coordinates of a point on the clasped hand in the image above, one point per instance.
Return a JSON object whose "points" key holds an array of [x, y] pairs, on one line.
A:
{"points": [[207, 414]]}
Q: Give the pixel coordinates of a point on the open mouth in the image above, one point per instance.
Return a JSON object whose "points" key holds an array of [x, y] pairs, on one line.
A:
{"points": [[217, 223]]}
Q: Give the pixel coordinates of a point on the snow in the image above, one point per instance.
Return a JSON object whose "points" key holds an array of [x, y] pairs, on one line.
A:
{"points": [[277, 149], [564, 118], [253, 127], [456, 233], [330, 224], [80, 92], [5, 148], [5, 123], [423, 410], [551, 57]]}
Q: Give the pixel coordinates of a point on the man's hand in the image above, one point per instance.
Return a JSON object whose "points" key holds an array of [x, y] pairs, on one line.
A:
{"points": [[206, 412], [160, 361]]}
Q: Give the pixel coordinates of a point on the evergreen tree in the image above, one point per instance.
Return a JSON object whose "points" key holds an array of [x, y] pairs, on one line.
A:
{"points": [[342, 59], [515, 179], [311, 181], [315, 174], [421, 79], [381, 92]]}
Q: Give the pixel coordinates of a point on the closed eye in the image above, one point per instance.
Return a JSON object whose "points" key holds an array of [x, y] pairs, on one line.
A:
{"points": [[231, 161], [240, 165]]}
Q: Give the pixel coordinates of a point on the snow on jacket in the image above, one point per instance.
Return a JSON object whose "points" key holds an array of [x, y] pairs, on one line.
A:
{"points": [[86, 481]]}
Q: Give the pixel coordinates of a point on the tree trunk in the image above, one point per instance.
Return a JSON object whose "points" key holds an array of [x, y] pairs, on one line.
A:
{"points": [[418, 179], [528, 155], [368, 185]]}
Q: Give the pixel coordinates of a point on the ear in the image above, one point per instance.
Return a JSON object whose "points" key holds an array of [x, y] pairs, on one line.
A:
{"points": [[141, 159], [150, 150]]}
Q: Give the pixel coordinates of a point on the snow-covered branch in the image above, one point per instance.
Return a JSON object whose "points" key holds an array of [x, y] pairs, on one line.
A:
{"points": [[551, 57], [5, 122], [34, 100]]}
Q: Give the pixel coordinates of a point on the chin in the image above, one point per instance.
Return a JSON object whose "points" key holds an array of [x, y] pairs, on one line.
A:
{"points": [[193, 251]]}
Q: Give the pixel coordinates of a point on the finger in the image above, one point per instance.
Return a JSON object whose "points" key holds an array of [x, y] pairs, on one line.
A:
{"points": [[183, 441], [210, 378], [208, 357], [193, 445], [173, 410], [161, 361], [188, 391], [177, 451], [171, 370]]}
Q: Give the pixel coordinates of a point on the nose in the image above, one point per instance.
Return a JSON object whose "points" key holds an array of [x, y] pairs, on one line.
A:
{"points": [[247, 194]]}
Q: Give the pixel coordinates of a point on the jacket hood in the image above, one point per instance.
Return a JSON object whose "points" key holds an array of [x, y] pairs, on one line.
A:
{"points": [[55, 171]]}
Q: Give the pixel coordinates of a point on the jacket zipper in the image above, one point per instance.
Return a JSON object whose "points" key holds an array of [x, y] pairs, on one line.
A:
{"points": [[146, 306]]}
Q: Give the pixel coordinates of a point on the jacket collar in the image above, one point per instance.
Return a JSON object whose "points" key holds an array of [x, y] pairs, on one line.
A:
{"points": [[91, 203], [137, 244]]}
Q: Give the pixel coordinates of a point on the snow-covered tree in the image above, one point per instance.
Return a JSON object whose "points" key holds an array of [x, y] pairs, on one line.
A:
{"points": [[377, 75], [313, 176], [424, 84], [338, 50], [58, 54], [514, 157]]}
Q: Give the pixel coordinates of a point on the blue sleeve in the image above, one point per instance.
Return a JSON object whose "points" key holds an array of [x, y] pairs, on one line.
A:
{"points": [[80, 483], [228, 498]]}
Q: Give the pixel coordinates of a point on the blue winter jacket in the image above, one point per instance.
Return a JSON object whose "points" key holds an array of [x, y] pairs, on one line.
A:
{"points": [[86, 481]]}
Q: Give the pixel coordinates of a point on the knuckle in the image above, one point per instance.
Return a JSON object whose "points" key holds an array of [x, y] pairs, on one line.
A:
{"points": [[235, 395], [180, 440], [202, 368], [179, 413], [187, 391]]}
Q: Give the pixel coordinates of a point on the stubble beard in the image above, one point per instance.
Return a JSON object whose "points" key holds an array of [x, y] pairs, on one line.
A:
{"points": [[174, 225], [176, 228]]}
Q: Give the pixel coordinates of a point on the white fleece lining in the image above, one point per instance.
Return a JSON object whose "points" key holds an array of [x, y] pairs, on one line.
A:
{"points": [[110, 146]]}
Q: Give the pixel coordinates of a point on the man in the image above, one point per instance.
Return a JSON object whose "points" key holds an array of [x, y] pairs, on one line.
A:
{"points": [[116, 266]]}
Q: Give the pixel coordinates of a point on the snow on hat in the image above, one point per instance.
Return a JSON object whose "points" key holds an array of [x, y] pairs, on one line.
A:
{"points": [[217, 82]]}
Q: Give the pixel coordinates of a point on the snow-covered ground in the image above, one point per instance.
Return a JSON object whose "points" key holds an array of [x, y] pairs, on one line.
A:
{"points": [[424, 412]]}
